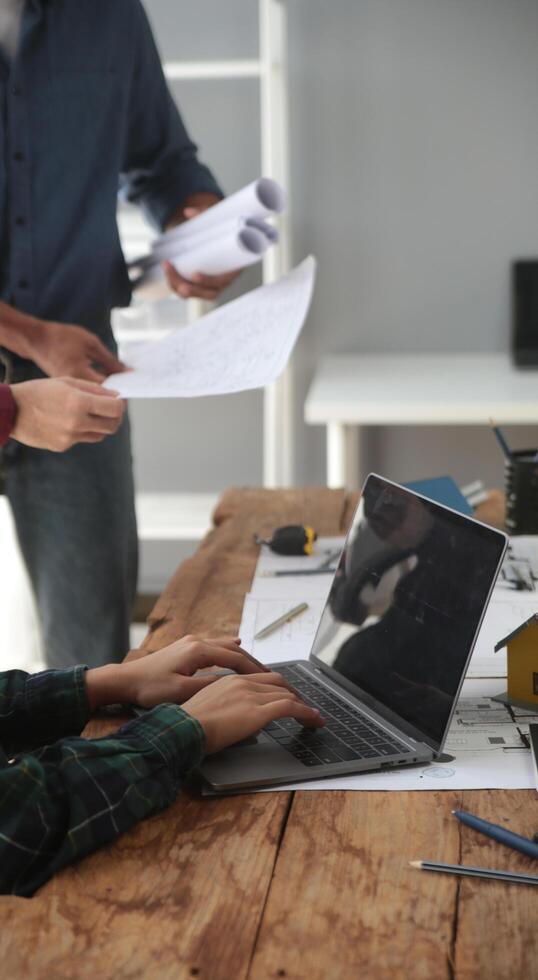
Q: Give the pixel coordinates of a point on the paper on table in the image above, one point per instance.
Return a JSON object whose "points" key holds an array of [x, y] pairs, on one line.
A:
{"points": [[514, 599], [295, 588], [519, 571], [291, 641], [244, 344]]}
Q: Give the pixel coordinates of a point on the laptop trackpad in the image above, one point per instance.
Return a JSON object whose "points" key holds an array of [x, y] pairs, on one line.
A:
{"points": [[251, 740], [251, 761]]}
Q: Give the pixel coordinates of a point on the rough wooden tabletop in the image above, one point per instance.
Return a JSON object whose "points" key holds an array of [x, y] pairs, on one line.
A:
{"points": [[297, 885]]}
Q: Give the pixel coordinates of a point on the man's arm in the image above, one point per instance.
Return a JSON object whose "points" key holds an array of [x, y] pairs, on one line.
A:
{"points": [[58, 349], [160, 169], [57, 413]]}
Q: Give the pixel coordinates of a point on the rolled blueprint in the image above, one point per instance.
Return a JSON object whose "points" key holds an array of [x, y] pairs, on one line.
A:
{"points": [[164, 248], [260, 199], [239, 246], [268, 230], [230, 235], [223, 254]]}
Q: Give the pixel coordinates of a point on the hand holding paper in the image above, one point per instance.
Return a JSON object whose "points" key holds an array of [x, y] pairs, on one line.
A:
{"points": [[244, 344], [229, 236]]}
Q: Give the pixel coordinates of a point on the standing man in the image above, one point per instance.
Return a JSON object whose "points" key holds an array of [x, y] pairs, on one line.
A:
{"points": [[84, 108]]}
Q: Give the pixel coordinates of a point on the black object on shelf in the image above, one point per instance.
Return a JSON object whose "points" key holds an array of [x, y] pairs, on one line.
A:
{"points": [[525, 312]]}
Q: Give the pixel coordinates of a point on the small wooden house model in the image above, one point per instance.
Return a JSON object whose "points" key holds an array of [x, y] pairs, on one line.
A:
{"points": [[522, 664]]}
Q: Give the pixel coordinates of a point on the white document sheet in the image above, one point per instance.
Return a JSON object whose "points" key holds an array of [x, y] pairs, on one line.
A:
{"points": [[296, 588], [519, 571], [244, 344], [291, 641], [272, 595], [514, 600]]}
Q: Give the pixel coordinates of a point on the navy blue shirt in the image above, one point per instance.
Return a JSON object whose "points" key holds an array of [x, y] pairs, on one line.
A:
{"points": [[84, 110]]}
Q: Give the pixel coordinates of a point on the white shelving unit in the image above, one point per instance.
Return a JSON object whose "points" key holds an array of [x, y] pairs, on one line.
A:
{"points": [[188, 515]]}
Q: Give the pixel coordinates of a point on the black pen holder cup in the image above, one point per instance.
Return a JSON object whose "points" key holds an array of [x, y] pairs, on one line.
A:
{"points": [[521, 483]]}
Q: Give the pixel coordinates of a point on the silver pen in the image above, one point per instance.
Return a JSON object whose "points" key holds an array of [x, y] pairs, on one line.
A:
{"points": [[285, 618]]}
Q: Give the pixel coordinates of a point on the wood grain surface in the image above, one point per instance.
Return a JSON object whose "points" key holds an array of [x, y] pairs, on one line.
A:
{"points": [[305, 885]]}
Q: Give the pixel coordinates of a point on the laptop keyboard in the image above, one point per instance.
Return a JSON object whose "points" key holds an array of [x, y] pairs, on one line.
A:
{"points": [[347, 734]]}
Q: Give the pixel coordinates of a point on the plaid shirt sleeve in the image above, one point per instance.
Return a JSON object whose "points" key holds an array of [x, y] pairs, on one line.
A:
{"points": [[161, 168], [67, 798], [8, 411], [39, 708]]}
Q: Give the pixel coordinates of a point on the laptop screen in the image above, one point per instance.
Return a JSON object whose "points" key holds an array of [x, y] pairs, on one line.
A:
{"points": [[406, 603]]}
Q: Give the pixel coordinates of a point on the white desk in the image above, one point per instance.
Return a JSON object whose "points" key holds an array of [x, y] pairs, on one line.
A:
{"points": [[350, 391]]}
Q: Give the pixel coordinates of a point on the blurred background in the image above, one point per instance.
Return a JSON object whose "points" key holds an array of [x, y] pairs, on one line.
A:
{"points": [[413, 178], [413, 151]]}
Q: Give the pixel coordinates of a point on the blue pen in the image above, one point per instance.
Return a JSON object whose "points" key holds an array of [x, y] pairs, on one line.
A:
{"points": [[507, 837]]}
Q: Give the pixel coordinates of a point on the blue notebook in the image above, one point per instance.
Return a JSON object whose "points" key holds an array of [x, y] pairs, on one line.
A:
{"points": [[443, 490]]}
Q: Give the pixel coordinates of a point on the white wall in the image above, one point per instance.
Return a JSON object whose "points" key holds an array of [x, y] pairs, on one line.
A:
{"points": [[414, 151]]}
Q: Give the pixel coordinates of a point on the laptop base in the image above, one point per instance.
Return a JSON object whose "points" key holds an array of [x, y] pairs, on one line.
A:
{"points": [[260, 761]]}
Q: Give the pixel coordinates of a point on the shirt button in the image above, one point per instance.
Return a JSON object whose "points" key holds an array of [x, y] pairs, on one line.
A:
{"points": [[23, 284], [20, 221], [18, 156], [16, 90]]}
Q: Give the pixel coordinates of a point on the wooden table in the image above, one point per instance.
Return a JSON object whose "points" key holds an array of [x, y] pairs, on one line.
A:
{"points": [[296, 885], [351, 391]]}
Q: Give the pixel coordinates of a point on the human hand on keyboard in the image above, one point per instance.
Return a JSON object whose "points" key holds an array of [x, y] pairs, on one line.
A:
{"points": [[234, 707]]}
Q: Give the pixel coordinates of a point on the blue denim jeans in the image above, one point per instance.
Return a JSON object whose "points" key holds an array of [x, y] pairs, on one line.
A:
{"points": [[75, 519]]}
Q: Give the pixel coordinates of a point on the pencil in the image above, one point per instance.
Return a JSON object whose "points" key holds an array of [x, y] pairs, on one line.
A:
{"points": [[460, 869], [298, 571], [497, 431], [285, 618]]}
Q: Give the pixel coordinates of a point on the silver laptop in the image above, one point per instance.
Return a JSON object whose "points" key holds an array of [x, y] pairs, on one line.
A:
{"points": [[392, 647]]}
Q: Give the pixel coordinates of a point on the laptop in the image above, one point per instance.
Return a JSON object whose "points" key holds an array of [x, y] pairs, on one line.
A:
{"points": [[390, 654]]}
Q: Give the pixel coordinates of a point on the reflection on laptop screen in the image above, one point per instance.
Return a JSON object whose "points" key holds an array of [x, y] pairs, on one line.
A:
{"points": [[406, 603]]}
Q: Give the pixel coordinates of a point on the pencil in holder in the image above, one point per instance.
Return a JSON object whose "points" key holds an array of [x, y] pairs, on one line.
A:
{"points": [[521, 482]]}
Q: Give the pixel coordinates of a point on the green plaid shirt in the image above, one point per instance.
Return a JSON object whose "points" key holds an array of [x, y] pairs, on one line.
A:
{"points": [[63, 796]]}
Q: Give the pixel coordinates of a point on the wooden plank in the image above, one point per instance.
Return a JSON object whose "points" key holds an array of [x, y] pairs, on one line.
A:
{"points": [[179, 896], [344, 902], [497, 923]]}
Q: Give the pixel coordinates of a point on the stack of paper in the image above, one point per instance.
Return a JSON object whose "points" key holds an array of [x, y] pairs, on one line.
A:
{"points": [[231, 235]]}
